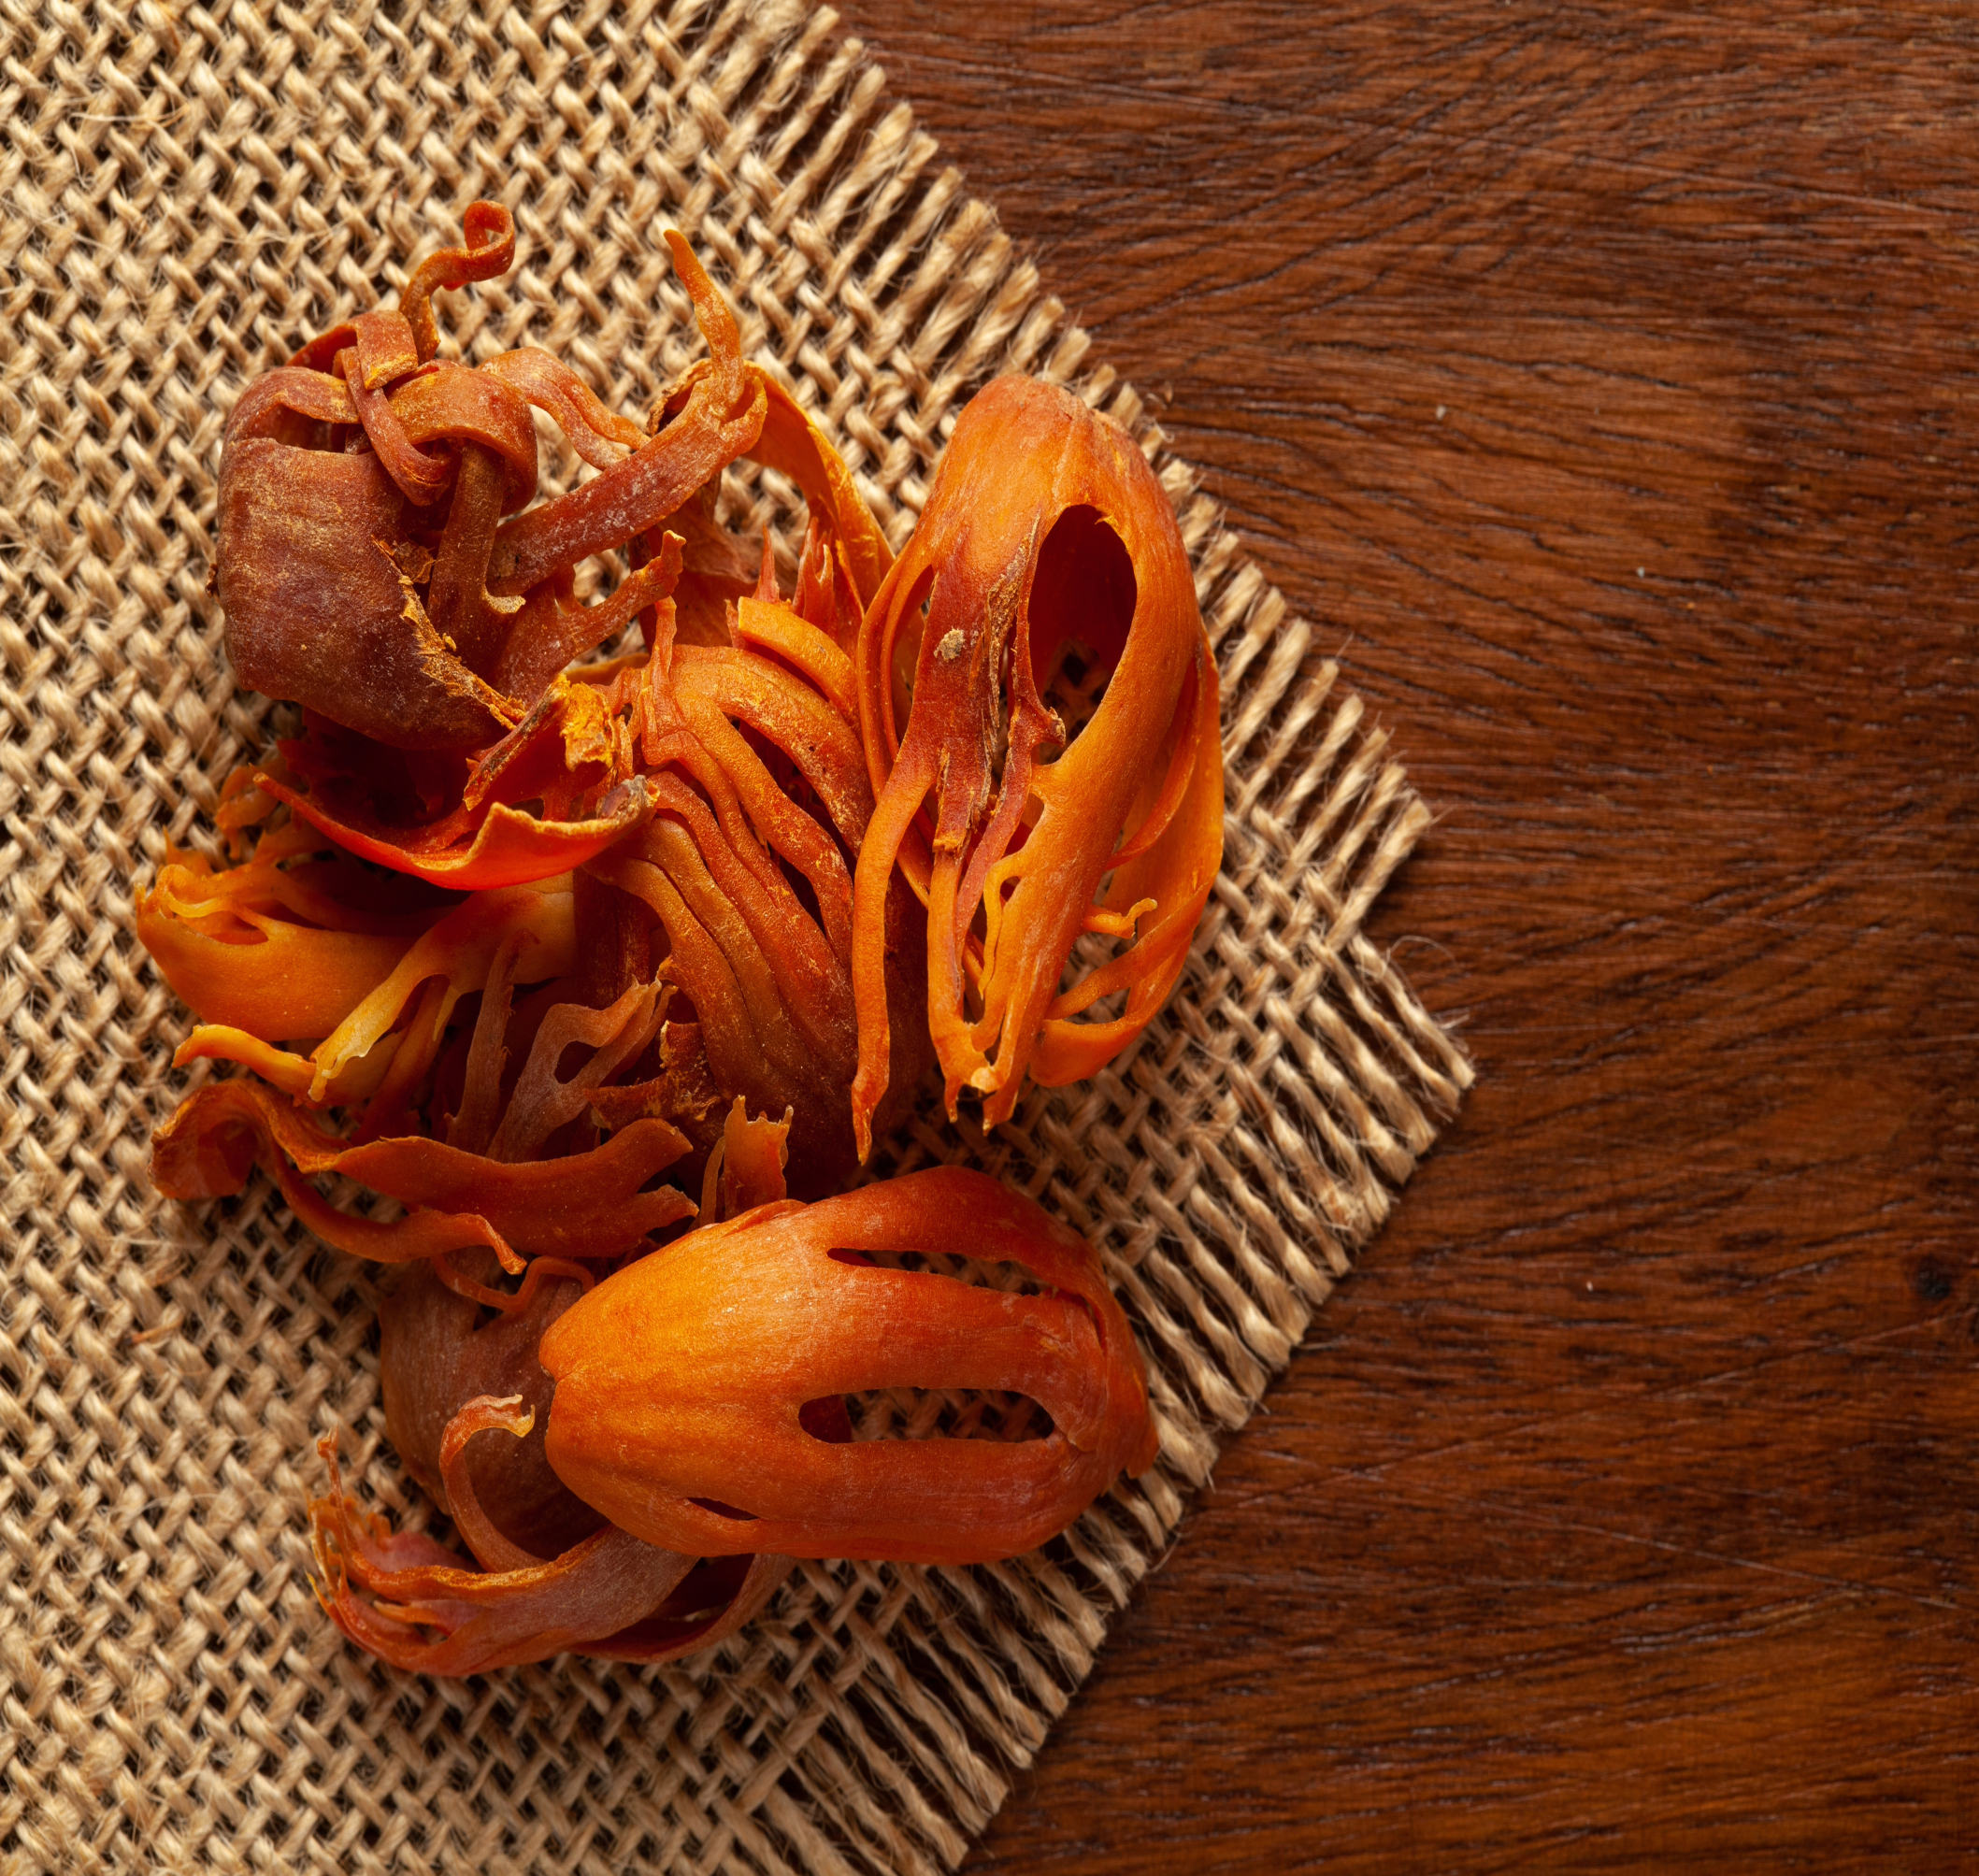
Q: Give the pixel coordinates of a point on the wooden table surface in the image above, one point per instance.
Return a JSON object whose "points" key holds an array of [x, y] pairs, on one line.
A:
{"points": [[1603, 378]]}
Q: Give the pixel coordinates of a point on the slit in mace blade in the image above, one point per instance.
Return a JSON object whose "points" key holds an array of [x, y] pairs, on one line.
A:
{"points": [[826, 1418], [722, 1511], [1000, 1416], [983, 1274], [804, 892], [1082, 607]]}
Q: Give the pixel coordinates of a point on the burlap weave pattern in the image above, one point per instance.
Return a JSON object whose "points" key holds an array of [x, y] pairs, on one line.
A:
{"points": [[188, 193]]}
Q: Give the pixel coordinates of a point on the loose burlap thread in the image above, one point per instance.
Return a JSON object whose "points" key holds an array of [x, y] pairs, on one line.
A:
{"points": [[189, 193]]}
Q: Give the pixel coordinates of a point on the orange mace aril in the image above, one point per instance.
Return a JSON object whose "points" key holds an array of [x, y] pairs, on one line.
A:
{"points": [[1046, 536], [698, 1407], [680, 1382]]}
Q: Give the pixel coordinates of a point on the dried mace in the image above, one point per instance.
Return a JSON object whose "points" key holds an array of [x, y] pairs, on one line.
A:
{"points": [[1047, 552]]}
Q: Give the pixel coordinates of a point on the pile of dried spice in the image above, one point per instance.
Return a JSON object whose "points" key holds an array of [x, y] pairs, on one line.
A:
{"points": [[608, 964]]}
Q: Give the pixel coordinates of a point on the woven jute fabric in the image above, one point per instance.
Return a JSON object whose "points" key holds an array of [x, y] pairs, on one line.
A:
{"points": [[188, 193]]}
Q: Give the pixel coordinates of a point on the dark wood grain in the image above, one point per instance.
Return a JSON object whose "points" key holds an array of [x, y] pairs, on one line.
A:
{"points": [[1603, 378]]}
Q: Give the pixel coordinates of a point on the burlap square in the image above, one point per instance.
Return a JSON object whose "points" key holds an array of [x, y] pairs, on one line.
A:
{"points": [[188, 192]]}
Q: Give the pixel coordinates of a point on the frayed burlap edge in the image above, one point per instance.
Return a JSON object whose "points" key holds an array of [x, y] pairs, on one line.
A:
{"points": [[188, 192]]}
